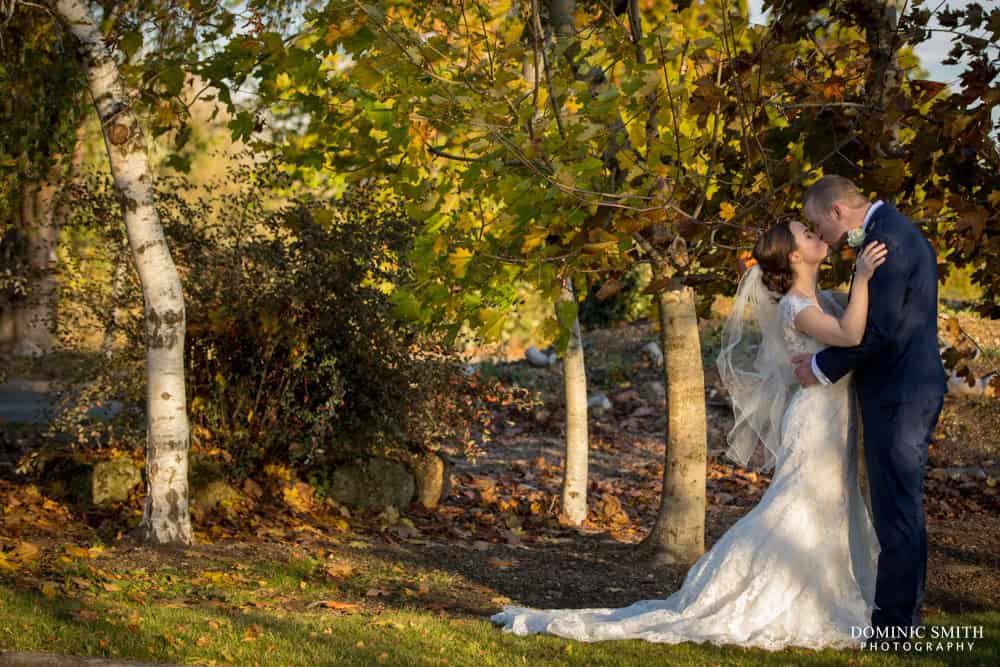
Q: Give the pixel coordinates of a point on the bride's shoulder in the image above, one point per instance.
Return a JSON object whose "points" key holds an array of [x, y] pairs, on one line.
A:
{"points": [[790, 304]]}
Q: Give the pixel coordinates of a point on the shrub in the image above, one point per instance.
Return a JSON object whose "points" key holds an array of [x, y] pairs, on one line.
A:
{"points": [[293, 352]]}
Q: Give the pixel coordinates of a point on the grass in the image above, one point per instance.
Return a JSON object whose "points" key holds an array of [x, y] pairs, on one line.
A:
{"points": [[257, 613]]}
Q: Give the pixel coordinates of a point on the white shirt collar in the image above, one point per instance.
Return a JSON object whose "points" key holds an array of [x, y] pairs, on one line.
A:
{"points": [[868, 215]]}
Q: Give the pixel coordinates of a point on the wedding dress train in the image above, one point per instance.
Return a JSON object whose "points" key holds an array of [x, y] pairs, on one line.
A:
{"points": [[797, 570]]}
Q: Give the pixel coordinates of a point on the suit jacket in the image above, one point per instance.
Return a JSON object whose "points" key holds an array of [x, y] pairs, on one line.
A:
{"points": [[898, 359]]}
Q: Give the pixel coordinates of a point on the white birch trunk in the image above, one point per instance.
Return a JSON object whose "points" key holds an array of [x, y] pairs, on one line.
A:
{"points": [[166, 518], [678, 535], [574, 491]]}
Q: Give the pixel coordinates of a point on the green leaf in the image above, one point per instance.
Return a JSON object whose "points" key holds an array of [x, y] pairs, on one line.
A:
{"points": [[366, 75], [130, 43], [242, 125], [172, 79], [181, 163], [406, 304]]}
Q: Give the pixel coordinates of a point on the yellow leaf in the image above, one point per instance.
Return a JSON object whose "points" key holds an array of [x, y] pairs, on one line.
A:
{"points": [[49, 590], [339, 570], [78, 552], [27, 551], [459, 261], [727, 211], [334, 604]]}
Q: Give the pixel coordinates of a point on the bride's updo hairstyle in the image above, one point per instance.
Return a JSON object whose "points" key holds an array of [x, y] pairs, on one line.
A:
{"points": [[771, 252]]}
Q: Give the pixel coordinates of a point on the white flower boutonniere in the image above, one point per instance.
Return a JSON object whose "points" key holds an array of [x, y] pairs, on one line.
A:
{"points": [[856, 237]]}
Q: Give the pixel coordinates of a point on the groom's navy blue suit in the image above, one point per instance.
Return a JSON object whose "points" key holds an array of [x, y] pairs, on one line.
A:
{"points": [[901, 384]]}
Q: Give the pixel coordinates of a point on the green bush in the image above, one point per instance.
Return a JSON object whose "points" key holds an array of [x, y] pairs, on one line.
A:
{"points": [[293, 352]]}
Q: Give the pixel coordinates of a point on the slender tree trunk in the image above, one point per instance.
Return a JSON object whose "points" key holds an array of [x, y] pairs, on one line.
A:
{"points": [[678, 535], [118, 283], [574, 492], [9, 257], [166, 518], [35, 315]]}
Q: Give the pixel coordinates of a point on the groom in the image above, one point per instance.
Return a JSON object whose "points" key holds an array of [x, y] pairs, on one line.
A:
{"points": [[900, 381]]}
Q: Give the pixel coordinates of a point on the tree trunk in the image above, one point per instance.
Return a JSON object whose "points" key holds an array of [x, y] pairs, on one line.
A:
{"points": [[43, 212], [574, 492], [34, 316], [166, 518], [679, 533], [883, 79]]}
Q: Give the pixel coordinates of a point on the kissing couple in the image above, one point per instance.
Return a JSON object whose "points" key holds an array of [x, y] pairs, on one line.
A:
{"points": [[812, 563]]}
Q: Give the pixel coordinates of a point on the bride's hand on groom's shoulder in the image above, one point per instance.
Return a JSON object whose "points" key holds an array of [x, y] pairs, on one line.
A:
{"points": [[872, 257], [803, 369]]}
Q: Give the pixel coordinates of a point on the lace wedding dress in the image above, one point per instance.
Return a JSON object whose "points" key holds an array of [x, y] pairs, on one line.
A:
{"points": [[797, 570]]}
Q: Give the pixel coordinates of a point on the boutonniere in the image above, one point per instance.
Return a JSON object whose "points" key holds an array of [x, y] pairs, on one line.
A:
{"points": [[856, 237]]}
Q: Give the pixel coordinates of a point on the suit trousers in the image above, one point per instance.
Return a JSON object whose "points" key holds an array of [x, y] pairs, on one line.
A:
{"points": [[896, 440]]}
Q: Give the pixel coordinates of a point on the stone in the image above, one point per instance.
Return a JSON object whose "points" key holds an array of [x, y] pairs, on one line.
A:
{"points": [[214, 494], [113, 480], [599, 404], [652, 353], [654, 393], [536, 357], [103, 482], [375, 482], [431, 474]]}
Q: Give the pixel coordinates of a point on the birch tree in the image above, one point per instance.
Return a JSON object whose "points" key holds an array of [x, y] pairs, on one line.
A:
{"points": [[165, 518], [574, 487]]}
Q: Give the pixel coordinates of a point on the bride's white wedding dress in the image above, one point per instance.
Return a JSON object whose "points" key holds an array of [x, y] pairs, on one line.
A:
{"points": [[797, 570]]}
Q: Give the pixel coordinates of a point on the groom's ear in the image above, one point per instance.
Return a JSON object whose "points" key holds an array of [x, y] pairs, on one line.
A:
{"points": [[837, 211]]}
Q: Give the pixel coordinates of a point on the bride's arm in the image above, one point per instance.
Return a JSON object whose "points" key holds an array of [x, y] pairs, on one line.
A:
{"points": [[849, 329]]}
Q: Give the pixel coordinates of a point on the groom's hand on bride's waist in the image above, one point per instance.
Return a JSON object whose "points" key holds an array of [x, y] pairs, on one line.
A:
{"points": [[803, 369]]}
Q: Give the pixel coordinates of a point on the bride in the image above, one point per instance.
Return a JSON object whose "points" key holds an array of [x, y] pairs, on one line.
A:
{"points": [[799, 568]]}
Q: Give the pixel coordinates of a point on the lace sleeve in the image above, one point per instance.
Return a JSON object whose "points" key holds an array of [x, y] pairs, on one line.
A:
{"points": [[790, 307]]}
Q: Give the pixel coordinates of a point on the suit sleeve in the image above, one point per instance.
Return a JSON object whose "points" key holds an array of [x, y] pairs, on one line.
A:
{"points": [[886, 296]]}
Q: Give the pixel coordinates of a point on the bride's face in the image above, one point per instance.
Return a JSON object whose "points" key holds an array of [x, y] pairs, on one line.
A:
{"points": [[811, 248]]}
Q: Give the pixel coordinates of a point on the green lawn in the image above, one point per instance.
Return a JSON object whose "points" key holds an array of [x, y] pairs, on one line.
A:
{"points": [[197, 631]]}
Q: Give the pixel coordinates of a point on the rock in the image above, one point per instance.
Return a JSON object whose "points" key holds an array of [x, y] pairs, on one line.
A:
{"points": [[376, 482], [216, 493], [113, 480], [599, 404], [203, 471], [654, 393], [652, 352], [94, 483], [431, 474], [536, 357]]}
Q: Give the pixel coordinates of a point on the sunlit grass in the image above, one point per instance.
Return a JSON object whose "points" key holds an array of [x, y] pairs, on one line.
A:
{"points": [[207, 625]]}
